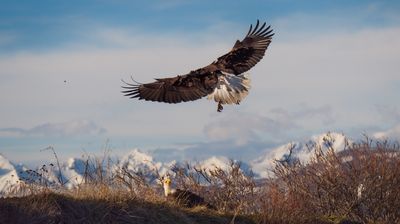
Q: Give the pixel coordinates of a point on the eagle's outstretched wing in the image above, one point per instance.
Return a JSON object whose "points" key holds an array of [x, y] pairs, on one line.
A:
{"points": [[192, 86], [248, 52], [201, 82]]}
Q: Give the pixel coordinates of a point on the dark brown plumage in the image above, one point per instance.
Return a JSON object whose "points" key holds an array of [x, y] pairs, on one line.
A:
{"points": [[188, 199], [192, 86], [216, 76], [248, 52], [183, 198]]}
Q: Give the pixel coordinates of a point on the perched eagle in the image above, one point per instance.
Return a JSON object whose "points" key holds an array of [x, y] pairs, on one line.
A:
{"points": [[183, 197], [223, 80]]}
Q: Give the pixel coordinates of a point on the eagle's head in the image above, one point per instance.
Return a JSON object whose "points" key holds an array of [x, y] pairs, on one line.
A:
{"points": [[167, 181], [167, 186]]}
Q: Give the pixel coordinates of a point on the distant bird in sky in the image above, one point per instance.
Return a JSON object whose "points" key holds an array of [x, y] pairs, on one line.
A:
{"points": [[224, 80]]}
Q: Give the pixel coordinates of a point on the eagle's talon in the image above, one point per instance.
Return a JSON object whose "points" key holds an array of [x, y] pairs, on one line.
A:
{"points": [[220, 107]]}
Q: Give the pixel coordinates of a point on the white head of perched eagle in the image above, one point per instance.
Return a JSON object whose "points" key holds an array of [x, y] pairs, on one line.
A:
{"points": [[223, 80]]}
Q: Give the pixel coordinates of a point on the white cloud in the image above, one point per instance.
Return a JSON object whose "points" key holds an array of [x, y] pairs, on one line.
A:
{"points": [[278, 124], [303, 114], [390, 134], [72, 128], [326, 81], [241, 128], [389, 113]]}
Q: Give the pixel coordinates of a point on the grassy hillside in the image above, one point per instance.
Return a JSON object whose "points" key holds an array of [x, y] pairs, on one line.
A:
{"points": [[59, 208], [359, 184]]}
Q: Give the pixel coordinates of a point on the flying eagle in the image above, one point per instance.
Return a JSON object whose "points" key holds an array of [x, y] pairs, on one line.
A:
{"points": [[224, 80]]}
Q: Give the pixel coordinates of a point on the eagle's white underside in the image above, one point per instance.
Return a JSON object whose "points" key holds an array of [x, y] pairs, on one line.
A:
{"points": [[231, 89]]}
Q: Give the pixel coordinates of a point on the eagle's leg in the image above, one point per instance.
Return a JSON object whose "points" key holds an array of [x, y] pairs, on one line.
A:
{"points": [[220, 107]]}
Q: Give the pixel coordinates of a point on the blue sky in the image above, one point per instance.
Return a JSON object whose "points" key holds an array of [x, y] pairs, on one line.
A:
{"points": [[332, 66], [45, 25]]}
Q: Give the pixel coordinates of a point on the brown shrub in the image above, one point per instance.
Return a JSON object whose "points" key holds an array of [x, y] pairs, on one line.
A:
{"points": [[229, 191], [360, 183]]}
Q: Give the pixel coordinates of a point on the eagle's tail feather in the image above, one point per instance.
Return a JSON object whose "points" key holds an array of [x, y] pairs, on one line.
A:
{"points": [[231, 89]]}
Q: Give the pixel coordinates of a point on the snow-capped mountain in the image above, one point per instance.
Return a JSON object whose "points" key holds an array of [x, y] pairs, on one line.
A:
{"points": [[139, 162], [10, 175], [215, 162], [300, 151], [74, 170], [223, 163], [72, 174]]}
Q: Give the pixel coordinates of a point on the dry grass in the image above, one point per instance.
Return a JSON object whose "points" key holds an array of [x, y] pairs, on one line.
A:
{"points": [[60, 208], [335, 188], [230, 191], [357, 185]]}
